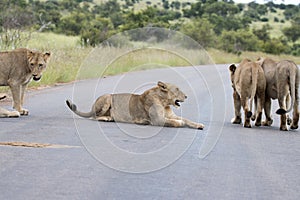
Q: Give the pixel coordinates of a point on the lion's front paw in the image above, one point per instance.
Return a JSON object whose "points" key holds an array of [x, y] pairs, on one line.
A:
{"points": [[24, 111], [267, 122], [200, 126]]}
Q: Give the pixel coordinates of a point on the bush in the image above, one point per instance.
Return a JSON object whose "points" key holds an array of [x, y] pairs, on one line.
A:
{"points": [[275, 46], [200, 30], [296, 50], [238, 41], [99, 31]]}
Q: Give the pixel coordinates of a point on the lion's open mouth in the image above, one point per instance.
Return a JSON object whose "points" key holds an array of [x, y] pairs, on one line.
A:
{"points": [[36, 78], [177, 102]]}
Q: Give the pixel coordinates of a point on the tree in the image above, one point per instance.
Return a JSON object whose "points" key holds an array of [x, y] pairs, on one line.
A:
{"points": [[166, 4], [221, 8], [15, 23], [293, 32], [263, 33], [99, 30], [108, 8], [196, 10], [276, 46], [200, 30], [238, 41], [290, 11], [73, 23]]}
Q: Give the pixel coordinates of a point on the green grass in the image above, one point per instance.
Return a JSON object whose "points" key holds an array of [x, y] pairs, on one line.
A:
{"points": [[70, 62], [110, 60], [66, 57]]}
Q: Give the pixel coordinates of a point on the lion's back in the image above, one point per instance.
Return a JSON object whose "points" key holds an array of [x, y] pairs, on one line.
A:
{"points": [[12, 62], [127, 107]]}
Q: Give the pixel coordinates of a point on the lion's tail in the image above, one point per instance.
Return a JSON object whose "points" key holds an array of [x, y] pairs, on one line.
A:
{"points": [[73, 107], [254, 86], [2, 97], [294, 83]]}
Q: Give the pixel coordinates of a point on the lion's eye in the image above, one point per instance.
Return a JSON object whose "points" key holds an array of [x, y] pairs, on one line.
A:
{"points": [[40, 65], [31, 64]]}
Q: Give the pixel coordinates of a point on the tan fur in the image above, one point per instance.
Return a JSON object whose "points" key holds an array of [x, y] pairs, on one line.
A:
{"points": [[153, 107], [248, 82], [17, 68], [282, 83]]}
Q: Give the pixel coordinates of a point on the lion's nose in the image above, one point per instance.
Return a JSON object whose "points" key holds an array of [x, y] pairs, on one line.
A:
{"points": [[185, 96]]}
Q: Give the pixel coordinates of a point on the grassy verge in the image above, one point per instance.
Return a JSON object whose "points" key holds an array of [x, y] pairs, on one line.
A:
{"points": [[70, 61]]}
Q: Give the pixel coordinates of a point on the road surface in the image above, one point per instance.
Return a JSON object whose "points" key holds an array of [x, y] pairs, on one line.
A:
{"points": [[98, 160]]}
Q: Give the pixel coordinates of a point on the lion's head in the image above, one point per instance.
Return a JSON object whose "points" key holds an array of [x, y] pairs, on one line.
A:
{"points": [[37, 63], [171, 93]]}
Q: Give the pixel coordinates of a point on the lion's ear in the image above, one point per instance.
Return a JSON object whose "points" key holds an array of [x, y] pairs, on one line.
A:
{"points": [[162, 86], [232, 68], [46, 56], [30, 54]]}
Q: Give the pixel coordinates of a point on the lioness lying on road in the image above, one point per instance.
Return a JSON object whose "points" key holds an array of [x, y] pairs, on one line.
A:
{"points": [[282, 83], [6, 113], [248, 82], [17, 68], [152, 107]]}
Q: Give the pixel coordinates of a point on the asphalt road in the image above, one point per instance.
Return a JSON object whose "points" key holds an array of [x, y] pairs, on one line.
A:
{"points": [[98, 160]]}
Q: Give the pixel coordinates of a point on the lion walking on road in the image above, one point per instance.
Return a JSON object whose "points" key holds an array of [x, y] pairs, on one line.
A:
{"points": [[283, 84], [248, 83]]}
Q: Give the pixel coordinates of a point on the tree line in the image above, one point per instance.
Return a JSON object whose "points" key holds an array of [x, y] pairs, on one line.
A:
{"points": [[212, 23]]}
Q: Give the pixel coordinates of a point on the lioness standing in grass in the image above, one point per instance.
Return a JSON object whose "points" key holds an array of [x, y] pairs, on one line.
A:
{"points": [[153, 107], [17, 69]]}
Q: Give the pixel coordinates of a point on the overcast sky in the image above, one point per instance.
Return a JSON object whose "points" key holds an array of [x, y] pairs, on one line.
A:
{"points": [[296, 2]]}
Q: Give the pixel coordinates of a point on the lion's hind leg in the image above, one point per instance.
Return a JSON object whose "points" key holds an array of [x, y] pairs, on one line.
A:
{"points": [[283, 116], [294, 123], [267, 109], [247, 111], [102, 108]]}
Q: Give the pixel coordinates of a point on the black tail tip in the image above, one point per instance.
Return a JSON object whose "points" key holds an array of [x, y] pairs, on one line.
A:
{"points": [[3, 97], [249, 114], [70, 105], [280, 111]]}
